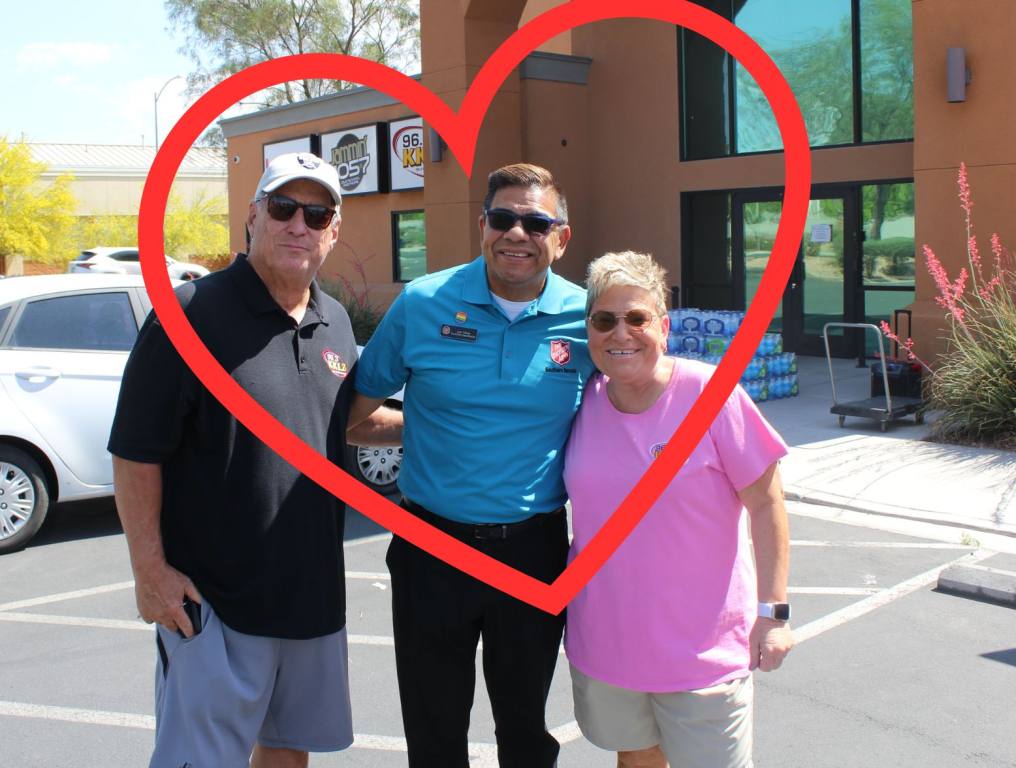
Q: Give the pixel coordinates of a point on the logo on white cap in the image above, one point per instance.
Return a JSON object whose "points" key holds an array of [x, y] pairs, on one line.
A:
{"points": [[308, 161]]}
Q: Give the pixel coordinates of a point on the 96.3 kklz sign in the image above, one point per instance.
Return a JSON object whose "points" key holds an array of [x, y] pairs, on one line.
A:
{"points": [[406, 157]]}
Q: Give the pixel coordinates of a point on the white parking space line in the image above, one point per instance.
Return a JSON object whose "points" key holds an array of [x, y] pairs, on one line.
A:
{"points": [[567, 733], [366, 540], [121, 585], [138, 625], [877, 544], [882, 598], [368, 576], [70, 715], [370, 741], [67, 596], [76, 621], [833, 590]]}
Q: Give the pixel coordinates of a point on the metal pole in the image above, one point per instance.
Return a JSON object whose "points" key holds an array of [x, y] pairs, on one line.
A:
{"points": [[157, 95]]}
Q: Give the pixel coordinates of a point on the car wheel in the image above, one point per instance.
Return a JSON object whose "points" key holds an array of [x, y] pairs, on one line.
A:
{"points": [[24, 498], [377, 467]]}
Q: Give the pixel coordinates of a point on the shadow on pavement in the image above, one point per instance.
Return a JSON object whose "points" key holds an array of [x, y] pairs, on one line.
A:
{"points": [[72, 521], [1006, 657]]}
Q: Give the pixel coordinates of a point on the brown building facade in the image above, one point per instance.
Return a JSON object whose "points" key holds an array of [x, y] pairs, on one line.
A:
{"points": [[663, 144]]}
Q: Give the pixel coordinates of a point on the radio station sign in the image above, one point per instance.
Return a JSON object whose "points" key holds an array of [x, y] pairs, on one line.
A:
{"points": [[354, 153], [406, 154], [272, 151]]}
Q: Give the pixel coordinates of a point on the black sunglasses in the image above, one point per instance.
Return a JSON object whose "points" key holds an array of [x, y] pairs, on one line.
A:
{"points": [[282, 208], [537, 224], [636, 319]]}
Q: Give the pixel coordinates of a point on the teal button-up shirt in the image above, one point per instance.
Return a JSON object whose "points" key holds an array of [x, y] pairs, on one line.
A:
{"points": [[488, 403]]}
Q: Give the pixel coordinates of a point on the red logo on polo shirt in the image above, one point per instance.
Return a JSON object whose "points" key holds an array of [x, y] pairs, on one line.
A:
{"points": [[335, 363], [560, 351]]}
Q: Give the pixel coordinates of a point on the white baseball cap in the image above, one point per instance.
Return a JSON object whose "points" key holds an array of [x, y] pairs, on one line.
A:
{"points": [[299, 165]]}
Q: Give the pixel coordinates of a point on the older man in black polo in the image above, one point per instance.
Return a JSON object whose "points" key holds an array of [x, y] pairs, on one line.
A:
{"points": [[236, 555]]}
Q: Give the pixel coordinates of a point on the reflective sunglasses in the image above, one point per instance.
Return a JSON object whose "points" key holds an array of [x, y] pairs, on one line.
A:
{"points": [[636, 319], [537, 224], [282, 208]]}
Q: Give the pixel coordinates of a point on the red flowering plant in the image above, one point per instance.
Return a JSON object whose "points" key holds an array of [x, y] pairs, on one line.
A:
{"points": [[363, 315], [974, 384]]}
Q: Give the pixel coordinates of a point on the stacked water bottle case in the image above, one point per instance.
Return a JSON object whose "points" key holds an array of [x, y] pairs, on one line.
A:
{"points": [[704, 334]]}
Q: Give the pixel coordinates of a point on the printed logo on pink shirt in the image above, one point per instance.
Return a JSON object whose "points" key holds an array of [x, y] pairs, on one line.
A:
{"points": [[657, 449]]}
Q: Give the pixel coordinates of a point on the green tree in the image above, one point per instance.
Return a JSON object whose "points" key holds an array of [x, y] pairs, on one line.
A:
{"points": [[198, 228], [34, 218], [226, 36]]}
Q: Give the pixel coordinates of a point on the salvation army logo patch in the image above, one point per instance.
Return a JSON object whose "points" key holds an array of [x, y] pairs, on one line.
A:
{"points": [[560, 351], [335, 363]]}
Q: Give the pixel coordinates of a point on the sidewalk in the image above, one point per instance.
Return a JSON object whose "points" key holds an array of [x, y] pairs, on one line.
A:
{"points": [[896, 473]]}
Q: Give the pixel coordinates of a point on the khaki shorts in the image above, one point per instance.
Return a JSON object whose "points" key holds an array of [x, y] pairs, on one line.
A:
{"points": [[705, 728]]}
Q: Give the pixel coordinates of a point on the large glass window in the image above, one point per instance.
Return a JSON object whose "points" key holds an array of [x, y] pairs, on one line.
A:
{"points": [[887, 70], [409, 242], [810, 42], [852, 88]]}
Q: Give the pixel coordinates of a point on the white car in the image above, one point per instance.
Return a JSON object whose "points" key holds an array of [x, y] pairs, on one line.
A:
{"points": [[377, 466], [64, 342], [124, 261]]}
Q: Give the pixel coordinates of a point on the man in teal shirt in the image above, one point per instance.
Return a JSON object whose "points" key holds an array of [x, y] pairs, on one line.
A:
{"points": [[493, 358]]}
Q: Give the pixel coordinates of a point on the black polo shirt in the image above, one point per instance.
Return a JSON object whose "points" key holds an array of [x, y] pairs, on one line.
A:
{"points": [[262, 542]]}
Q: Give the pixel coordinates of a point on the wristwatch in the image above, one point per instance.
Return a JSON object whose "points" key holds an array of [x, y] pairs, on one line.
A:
{"points": [[776, 611]]}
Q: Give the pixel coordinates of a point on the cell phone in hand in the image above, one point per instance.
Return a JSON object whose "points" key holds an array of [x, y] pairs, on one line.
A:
{"points": [[193, 611]]}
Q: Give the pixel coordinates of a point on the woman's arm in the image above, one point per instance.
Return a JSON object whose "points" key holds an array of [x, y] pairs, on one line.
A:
{"points": [[770, 640]]}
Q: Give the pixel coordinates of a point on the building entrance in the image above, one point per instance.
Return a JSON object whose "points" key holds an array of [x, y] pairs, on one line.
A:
{"points": [[821, 286]]}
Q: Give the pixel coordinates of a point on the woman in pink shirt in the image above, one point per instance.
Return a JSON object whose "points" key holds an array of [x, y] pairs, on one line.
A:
{"points": [[663, 639]]}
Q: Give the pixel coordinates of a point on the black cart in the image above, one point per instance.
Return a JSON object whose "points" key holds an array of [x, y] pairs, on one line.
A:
{"points": [[884, 408]]}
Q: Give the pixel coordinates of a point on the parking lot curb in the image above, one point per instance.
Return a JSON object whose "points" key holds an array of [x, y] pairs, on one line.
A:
{"points": [[980, 582]]}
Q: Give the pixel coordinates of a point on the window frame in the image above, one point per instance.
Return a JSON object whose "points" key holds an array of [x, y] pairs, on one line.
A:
{"points": [[396, 251], [731, 97]]}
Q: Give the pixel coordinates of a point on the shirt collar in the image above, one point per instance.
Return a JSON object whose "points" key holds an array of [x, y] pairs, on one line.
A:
{"points": [[476, 290], [257, 298]]}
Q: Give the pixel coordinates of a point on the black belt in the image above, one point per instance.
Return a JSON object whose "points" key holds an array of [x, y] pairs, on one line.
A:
{"points": [[466, 531]]}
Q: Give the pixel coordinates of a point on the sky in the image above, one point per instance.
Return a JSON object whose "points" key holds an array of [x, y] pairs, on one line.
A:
{"points": [[80, 71]]}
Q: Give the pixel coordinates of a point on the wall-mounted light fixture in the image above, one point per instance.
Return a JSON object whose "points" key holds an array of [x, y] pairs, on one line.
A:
{"points": [[957, 74], [437, 146]]}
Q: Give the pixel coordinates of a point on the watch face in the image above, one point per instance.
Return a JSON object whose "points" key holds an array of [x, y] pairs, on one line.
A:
{"points": [[781, 611]]}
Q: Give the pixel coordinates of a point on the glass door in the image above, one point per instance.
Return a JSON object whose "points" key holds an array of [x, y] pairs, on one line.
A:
{"points": [[820, 287]]}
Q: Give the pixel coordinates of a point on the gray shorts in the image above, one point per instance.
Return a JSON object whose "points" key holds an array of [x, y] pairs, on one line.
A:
{"points": [[705, 728], [221, 691]]}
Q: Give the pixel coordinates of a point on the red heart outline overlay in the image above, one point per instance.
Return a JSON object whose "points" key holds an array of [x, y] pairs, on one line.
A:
{"points": [[460, 130]]}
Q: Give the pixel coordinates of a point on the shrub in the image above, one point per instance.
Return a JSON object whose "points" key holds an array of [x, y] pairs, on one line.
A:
{"points": [[974, 384], [891, 257], [363, 315]]}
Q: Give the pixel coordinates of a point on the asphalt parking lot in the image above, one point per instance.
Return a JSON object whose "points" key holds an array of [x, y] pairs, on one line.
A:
{"points": [[888, 671]]}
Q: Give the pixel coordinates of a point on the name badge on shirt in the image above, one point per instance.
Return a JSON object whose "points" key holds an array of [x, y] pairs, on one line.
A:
{"points": [[458, 334]]}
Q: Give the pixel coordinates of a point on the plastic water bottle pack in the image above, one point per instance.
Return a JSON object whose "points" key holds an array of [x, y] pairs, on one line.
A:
{"points": [[706, 334]]}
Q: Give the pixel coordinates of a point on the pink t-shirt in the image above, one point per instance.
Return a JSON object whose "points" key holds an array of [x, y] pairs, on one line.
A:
{"points": [[672, 608]]}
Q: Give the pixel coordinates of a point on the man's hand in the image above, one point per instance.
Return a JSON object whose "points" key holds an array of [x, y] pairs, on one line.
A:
{"points": [[159, 592], [769, 642]]}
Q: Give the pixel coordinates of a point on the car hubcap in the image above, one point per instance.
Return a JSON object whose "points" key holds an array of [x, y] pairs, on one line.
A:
{"points": [[379, 465], [17, 499]]}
